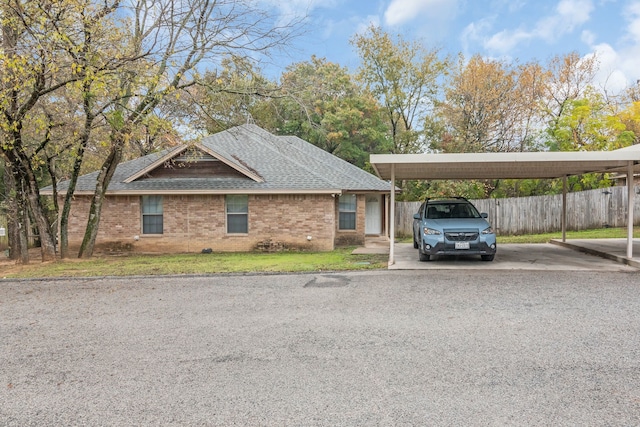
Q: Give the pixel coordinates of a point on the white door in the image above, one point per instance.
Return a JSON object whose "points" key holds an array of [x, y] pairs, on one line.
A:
{"points": [[373, 215]]}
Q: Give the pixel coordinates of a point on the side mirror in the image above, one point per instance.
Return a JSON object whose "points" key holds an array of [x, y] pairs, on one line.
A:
{"points": [[484, 215], [416, 216]]}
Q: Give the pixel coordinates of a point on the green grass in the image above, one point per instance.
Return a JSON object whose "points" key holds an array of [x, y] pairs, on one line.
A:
{"points": [[601, 233], [337, 260]]}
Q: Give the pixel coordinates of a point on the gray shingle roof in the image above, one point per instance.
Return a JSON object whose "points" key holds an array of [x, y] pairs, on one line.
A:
{"points": [[285, 163]]}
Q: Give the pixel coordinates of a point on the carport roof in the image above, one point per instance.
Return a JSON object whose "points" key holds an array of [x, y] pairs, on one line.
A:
{"points": [[504, 165], [509, 165]]}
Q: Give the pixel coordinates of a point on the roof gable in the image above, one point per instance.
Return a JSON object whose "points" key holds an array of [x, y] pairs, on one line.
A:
{"points": [[194, 161]]}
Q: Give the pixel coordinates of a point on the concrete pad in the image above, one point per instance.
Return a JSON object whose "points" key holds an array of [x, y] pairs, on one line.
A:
{"points": [[543, 256], [613, 249], [373, 245]]}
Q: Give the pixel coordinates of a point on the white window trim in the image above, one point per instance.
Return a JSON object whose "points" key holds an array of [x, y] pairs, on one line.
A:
{"points": [[142, 215], [227, 213], [354, 211]]}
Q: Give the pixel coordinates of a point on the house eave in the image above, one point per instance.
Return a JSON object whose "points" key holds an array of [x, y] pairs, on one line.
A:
{"points": [[334, 191]]}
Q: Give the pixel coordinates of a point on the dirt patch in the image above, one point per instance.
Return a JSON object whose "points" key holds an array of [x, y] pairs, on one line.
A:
{"points": [[10, 266]]}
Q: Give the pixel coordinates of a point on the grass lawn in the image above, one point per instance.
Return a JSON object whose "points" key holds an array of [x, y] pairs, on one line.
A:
{"points": [[600, 233], [337, 260]]}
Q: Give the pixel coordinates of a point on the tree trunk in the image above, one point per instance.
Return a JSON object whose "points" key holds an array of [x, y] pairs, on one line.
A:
{"points": [[16, 233], [118, 138], [51, 167], [71, 188], [66, 208], [47, 245], [64, 230], [27, 177]]}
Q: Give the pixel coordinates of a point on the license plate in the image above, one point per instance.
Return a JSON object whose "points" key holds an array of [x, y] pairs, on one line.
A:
{"points": [[462, 245]]}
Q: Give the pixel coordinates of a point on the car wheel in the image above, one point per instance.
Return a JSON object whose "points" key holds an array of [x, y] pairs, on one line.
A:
{"points": [[423, 257], [415, 243], [487, 257]]}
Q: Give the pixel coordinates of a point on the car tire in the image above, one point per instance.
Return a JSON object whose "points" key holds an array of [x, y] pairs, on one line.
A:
{"points": [[415, 243], [487, 257], [423, 257]]}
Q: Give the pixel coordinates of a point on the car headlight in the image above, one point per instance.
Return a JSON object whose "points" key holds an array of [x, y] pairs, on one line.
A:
{"points": [[431, 231], [488, 230]]}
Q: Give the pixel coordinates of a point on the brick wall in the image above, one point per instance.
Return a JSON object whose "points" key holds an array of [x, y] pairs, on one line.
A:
{"points": [[195, 222]]}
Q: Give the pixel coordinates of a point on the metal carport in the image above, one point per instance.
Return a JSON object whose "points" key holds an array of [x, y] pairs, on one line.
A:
{"points": [[509, 166]]}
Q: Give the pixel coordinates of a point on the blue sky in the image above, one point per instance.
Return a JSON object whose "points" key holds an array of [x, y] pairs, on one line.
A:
{"points": [[521, 30]]}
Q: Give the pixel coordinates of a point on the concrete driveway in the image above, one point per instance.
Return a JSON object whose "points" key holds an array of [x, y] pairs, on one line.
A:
{"points": [[543, 256]]}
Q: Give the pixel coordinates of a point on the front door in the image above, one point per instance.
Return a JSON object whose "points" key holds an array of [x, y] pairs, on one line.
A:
{"points": [[373, 215]]}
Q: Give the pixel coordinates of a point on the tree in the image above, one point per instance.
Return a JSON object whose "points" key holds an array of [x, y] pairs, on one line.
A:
{"points": [[174, 39], [322, 104], [489, 106], [568, 76], [232, 95], [316, 100], [404, 77], [479, 107], [32, 66], [97, 52], [588, 124]]}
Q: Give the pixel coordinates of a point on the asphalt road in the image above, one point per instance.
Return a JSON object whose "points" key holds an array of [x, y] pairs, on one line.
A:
{"points": [[351, 349]]}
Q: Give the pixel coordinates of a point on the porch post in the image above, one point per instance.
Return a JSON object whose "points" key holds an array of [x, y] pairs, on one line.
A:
{"points": [[630, 205], [564, 209], [392, 217]]}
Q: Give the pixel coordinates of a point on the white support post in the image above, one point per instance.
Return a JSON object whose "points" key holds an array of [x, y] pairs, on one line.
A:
{"points": [[392, 217], [386, 216], [564, 209], [630, 205]]}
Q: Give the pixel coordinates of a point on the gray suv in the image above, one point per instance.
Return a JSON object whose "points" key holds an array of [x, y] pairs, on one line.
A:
{"points": [[452, 227]]}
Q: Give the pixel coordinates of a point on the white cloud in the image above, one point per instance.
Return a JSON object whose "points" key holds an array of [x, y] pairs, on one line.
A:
{"points": [[588, 37], [569, 14], [402, 11], [505, 41], [633, 15], [575, 12], [609, 76], [474, 32], [619, 65]]}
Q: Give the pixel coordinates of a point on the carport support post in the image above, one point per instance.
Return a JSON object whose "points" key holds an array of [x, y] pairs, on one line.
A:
{"points": [[392, 217], [630, 205], [564, 209]]}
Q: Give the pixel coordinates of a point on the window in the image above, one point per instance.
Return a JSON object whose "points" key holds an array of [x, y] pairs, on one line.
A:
{"points": [[152, 215], [347, 212], [237, 214]]}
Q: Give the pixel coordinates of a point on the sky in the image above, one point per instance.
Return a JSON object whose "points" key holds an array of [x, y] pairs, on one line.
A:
{"points": [[511, 30]]}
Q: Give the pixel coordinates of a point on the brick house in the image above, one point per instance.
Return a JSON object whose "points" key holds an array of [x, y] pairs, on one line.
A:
{"points": [[238, 190]]}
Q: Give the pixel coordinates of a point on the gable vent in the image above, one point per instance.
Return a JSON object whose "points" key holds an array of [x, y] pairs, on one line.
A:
{"points": [[195, 157]]}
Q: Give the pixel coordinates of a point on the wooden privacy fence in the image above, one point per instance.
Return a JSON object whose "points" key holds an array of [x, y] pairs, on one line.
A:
{"points": [[605, 207]]}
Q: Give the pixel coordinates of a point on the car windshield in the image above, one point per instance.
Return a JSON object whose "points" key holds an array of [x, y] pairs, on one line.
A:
{"points": [[451, 210]]}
